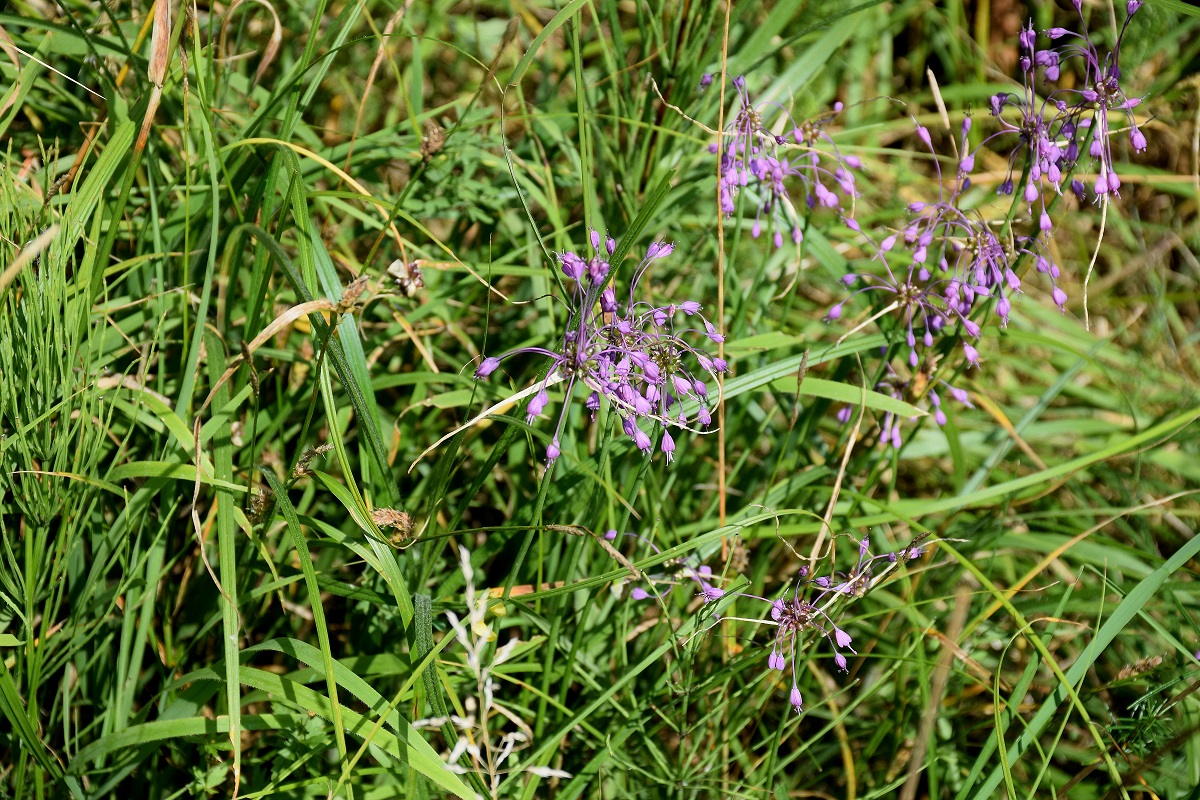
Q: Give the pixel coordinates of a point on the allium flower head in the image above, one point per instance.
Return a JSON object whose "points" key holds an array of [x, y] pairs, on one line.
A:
{"points": [[1099, 93], [937, 270], [1036, 128], [1053, 128], [644, 359], [770, 165], [809, 610], [947, 266]]}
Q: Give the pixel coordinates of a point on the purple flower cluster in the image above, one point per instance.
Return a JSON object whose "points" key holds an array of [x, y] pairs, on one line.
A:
{"points": [[1099, 93], [631, 353], [1038, 133], [753, 156], [808, 610], [948, 267], [1051, 131], [950, 262], [810, 607]]}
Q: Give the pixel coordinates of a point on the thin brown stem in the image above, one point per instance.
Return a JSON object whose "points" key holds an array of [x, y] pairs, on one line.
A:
{"points": [[721, 288]]}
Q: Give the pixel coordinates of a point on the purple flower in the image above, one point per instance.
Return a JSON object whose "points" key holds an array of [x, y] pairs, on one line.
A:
{"points": [[1087, 109], [1060, 298], [807, 613], [754, 158], [842, 638], [536, 405], [668, 446], [487, 367], [636, 355]]}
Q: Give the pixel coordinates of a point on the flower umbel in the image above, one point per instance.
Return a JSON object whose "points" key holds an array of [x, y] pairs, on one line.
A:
{"points": [[635, 354], [753, 156], [812, 608]]}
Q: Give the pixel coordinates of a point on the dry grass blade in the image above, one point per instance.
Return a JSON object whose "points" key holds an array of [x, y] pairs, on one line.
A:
{"points": [[272, 49], [499, 408], [634, 572], [997, 413], [10, 49], [159, 41], [28, 254], [32, 57], [380, 52], [156, 71], [510, 33]]}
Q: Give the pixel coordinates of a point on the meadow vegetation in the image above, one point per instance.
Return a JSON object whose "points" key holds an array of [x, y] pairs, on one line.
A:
{"points": [[602, 398]]}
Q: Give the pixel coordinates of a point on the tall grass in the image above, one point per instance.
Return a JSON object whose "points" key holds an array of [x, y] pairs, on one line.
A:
{"points": [[233, 562]]}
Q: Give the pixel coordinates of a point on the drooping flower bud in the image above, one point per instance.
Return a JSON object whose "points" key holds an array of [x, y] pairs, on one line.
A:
{"points": [[597, 271], [536, 406], [668, 446], [487, 367]]}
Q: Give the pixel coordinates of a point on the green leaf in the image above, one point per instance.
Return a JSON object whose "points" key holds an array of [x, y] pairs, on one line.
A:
{"points": [[556, 22], [12, 709], [850, 395], [284, 504], [1179, 7]]}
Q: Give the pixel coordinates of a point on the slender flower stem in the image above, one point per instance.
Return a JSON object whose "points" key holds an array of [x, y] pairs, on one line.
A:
{"points": [[721, 301], [496, 409], [827, 528], [721, 289], [1087, 278]]}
